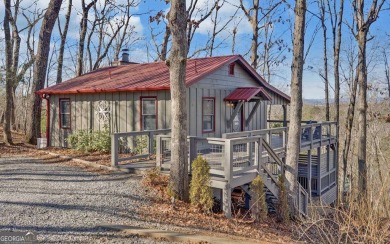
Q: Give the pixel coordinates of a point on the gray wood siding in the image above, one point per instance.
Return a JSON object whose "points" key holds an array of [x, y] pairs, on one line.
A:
{"points": [[124, 113], [125, 107], [324, 164], [329, 196], [221, 79]]}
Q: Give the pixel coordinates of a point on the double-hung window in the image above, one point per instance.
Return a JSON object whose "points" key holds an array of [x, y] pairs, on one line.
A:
{"points": [[65, 113], [149, 113], [208, 114]]}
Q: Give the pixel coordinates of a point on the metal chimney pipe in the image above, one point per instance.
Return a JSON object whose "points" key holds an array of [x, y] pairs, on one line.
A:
{"points": [[125, 55]]}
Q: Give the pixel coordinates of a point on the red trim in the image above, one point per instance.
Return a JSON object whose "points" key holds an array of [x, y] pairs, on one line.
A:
{"points": [[229, 59], [83, 91], [140, 110], [213, 130], [246, 94], [261, 79], [47, 120], [231, 69], [204, 74], [59, 113]]}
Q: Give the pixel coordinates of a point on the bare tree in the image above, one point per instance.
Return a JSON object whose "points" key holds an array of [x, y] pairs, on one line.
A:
{"points": [[40, 67], [324, 75], [177, 21], [362, 29], [211, 43], [294, 134], [387, 72], [253, 15], [195, 16], [63, 34], [351, 79], [8, 74], [18, 69], [125, 36], [336, 19], [83, 34]]}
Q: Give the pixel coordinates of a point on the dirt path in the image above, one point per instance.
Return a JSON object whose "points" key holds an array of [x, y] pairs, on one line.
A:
{"points": [[66, 204]]}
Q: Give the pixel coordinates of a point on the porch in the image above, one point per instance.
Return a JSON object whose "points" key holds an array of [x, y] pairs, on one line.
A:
{"points": [[237, 158]]}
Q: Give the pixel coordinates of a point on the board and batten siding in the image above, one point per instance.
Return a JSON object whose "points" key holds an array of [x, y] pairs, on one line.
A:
{"points": [[124, 113], [125, 107]]}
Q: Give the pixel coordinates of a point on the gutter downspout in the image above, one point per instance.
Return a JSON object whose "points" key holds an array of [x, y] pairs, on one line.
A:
{"points": [[47, 98]]}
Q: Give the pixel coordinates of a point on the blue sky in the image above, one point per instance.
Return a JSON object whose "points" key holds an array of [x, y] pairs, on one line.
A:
{"points": [[313, 86]]}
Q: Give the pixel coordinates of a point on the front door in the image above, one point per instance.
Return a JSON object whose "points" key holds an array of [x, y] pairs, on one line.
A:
{"points": [[238, 122]]}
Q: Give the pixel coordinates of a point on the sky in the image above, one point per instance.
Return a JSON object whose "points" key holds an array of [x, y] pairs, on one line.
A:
{"points": [[143, 49]]}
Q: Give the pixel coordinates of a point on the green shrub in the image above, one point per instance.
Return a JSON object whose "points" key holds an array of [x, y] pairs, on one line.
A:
{"points": [[276, 125], [283, 208], [141, 145], [90, 141], [258, 196], [201, 194]]}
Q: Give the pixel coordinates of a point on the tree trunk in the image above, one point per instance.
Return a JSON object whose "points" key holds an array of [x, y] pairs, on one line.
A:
{"points": [[387, 72], [325, 75], [63, 42], [8, 74], [294, 134], [362, 114], [164, 48], [83, 33], [40, 67], [348, 130], [336, 63], [177, 20]]}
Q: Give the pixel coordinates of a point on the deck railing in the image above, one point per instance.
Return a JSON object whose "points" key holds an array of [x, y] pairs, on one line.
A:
{"points": [[134, 145], [226, 157]]}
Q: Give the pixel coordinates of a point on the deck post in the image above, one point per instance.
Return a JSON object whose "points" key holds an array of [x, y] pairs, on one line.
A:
{"points": [[284, 115], [114, 150], [158, 151], [257, 154], [192, 153], [309, 176], [150, 148], [228, 167], [227, 201], [319, 176]]}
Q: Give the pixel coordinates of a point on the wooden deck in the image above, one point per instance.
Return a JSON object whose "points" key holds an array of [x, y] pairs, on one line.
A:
{"points": [[237, 158]]}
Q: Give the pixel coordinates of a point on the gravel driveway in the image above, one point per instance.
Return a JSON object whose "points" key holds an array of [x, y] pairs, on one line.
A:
{"points": [[66, 204]]}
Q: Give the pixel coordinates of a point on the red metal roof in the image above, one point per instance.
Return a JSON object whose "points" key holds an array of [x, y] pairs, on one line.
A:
{"points": [[246, 94], [148, 76]]}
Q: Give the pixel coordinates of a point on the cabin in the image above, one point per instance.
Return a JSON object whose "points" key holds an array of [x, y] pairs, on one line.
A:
{"points": [[227, 103]]}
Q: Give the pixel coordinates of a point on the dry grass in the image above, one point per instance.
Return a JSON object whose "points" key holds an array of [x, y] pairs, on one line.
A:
{"points": [[27, 150], [185, 215]]}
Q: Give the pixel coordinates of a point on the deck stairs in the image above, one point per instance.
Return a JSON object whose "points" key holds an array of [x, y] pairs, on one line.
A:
{"points": [[271, 178]]}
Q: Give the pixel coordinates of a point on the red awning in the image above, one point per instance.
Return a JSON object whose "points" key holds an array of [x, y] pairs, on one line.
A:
{"points": [[248, 93]]}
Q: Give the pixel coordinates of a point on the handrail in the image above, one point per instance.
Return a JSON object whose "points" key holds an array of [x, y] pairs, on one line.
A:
{"points": [[301, 191], [144, 132], [115, 144]]}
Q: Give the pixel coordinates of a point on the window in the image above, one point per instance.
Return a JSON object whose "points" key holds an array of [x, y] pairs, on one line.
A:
{"points": [[231, 69], [148, 113], [65, 113], [208, 114]]}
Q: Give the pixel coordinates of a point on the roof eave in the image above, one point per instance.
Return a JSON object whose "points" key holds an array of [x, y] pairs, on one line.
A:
{"points": [[90, 91]]}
